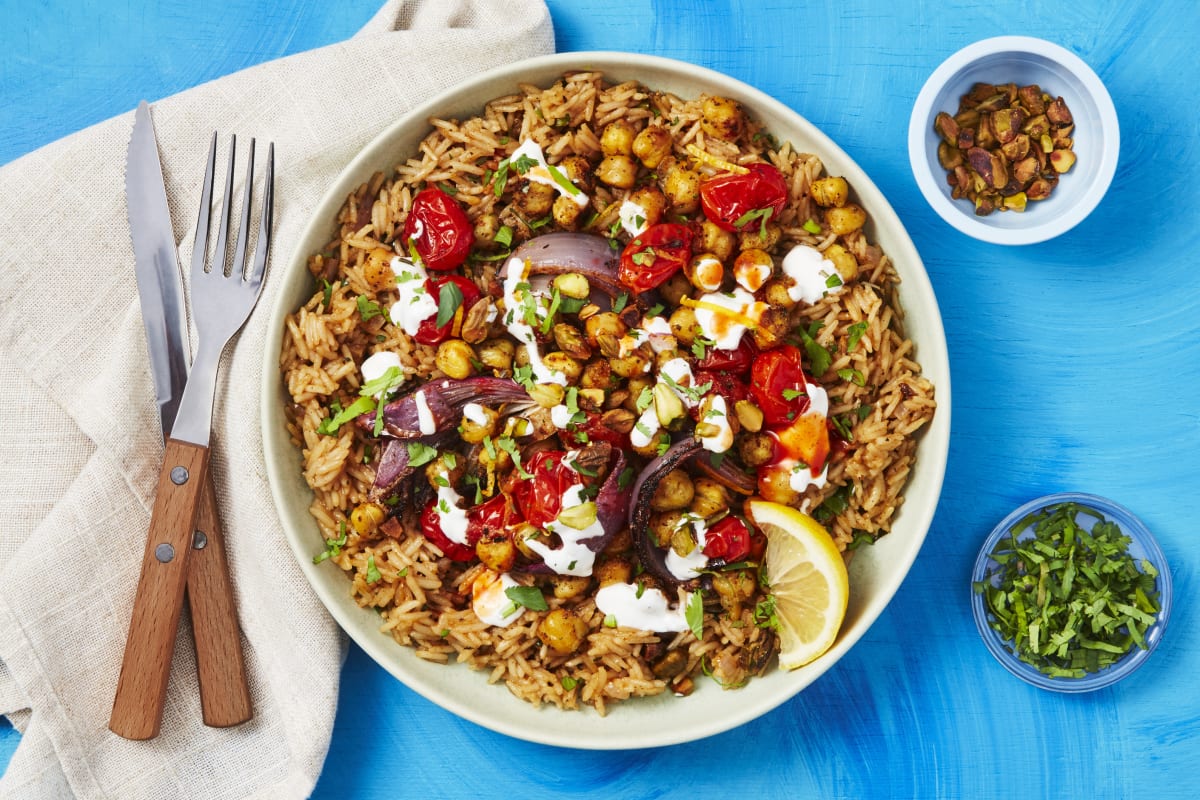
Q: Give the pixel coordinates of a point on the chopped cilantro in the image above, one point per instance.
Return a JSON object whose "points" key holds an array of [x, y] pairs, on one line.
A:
{"points": [[373, 575], [419, 454], [450, 299], [528, 596]]}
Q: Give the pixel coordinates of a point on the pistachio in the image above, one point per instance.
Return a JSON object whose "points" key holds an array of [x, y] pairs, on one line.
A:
{"points": [[570, 340], [749, 415], [667, 405], [546, 395], [1062, 160], [1007, 144], [579, 517], [573, 285]]}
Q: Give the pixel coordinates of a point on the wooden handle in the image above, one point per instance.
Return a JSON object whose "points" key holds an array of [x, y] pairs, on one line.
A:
{"points": [[142, 687], [224, 693]]}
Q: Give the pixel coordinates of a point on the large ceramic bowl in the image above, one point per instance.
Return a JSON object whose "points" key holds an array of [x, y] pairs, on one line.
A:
{"points": [[875, 573]]}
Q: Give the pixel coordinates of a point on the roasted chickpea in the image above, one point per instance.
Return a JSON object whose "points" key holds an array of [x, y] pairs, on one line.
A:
{"points": [[561, 362], [774, 324], [658, 444], [562, 630], [705, 271], [486, 228], [652, 145], [662, 526], [722, 118], [630, 366], [617, 138], [756, 449], [715, 240], [569, 586], [496, 354], [652, 201], [477, 426], [775, 293], [844, 260], [753, 268], [366, 518], [597, 374], [674, 491], [845, 219], [759, 237], [612, 570], [734, 588], [681, 185], [635, 386], [523, 533], [709, 498], [567, 213], [535, 199], [579, 171], [775, 485], [454, 358], [605, 323], [618, 171], [377, 269], [497, 551], [831, 191], [683, 325], [675, 287], [546, 395]]}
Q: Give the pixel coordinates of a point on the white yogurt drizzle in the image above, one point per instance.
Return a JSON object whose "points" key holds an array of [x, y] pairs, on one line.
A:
{"points": [[424, 414], [813, 275], [687, 567], [633, 218], [801, 474], [416, 304], [544, 172], [516, 292], [489, 601], [574, 557], [725, 330], [473, 412], [648, 612]]}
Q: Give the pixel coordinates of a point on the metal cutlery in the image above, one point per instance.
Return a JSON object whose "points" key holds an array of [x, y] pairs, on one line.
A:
{"points": [[223, 296]]}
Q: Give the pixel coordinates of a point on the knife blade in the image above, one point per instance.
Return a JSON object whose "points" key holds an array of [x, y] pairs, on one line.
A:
{"points": [[224, 693]]}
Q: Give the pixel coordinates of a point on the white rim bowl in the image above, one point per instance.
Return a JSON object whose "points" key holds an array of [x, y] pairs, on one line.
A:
{"points": [[1023, 60], [875, 573]]}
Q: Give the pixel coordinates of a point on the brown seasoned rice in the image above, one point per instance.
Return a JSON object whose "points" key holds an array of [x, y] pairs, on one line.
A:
{"points": [[423, 597]]}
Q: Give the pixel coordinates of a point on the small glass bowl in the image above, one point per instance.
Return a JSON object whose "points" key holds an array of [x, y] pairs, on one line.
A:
{"points": [[1142, 546]]}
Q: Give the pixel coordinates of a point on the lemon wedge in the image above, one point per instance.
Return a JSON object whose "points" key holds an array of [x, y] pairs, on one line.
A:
{"points": [[807, 576]]}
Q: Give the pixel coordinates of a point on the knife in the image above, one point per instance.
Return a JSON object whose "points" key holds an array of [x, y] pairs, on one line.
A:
{"points": [[224, 693]]}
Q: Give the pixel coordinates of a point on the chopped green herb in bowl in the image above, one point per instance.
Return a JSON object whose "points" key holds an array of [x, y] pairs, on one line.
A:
{"points": [[1071, 592]]}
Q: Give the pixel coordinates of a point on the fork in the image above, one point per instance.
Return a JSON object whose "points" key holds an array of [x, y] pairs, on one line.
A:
{"points": [[222, 296]]}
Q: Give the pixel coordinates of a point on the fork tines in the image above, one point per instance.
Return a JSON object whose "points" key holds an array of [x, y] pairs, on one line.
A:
{"points": [[237, 265]]}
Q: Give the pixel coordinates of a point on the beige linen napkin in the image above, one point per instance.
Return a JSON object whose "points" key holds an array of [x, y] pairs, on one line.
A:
{"points": [[80, 446]]}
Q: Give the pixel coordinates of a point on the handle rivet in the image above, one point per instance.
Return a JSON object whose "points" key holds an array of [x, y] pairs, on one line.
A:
{"points": [[164, 552], [199, 540], [179, 475]]}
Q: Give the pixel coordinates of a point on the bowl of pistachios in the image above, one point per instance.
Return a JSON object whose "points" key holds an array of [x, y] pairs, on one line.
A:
{"points": [[1013, 140]]}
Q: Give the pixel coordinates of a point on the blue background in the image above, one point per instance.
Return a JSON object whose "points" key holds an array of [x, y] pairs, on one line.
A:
{"points": [[1076, 366]]}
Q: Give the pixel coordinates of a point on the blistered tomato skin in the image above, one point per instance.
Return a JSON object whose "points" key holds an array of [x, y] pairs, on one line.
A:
{"points": [[728, 198], [439, 230], [778, 382], [429, 332], [431, 528], [655, 255], [729, 540]]}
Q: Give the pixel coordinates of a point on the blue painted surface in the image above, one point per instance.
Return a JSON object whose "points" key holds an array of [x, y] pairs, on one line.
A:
{"points": [[1076, 367]]}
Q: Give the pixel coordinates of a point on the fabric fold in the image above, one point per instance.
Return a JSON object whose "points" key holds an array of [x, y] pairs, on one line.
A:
{"points": [[83, 457]]}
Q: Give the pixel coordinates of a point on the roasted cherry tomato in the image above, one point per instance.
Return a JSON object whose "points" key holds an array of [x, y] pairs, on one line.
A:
{"points": [[431, 527], [654, 256], [428, 332], [725, 384], [777, 381], [729, 198], [597, 431], [488, 518], [539, 498], [737, 360], [439, 230], [728, 540]]}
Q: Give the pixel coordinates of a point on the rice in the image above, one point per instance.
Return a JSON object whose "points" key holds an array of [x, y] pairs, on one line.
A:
{"points": [[424, 598]]}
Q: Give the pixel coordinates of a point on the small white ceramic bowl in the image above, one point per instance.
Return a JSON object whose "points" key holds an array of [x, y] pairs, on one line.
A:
{"points": [[1022, 60]]}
